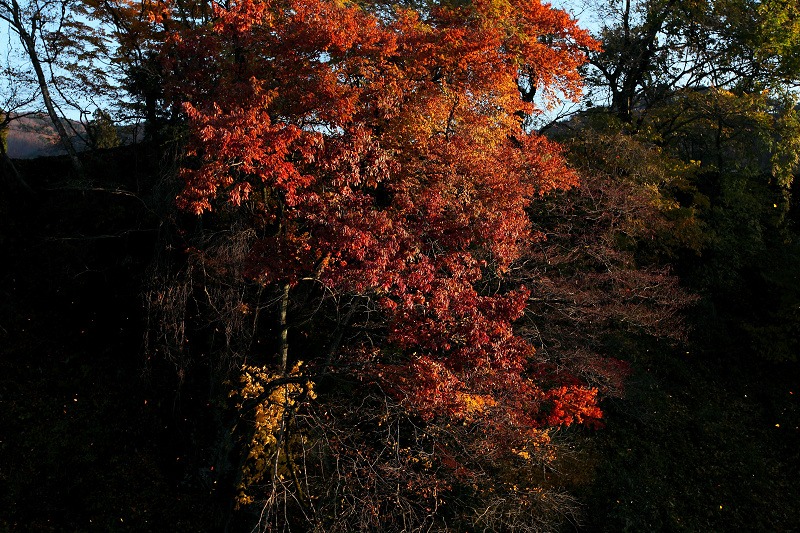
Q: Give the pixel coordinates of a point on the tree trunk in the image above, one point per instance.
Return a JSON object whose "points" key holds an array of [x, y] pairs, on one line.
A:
{"points": [[284, 347], [28, 41]]}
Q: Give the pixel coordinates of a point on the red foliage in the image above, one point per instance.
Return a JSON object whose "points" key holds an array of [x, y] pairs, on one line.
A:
{"points": [[383, 153]]}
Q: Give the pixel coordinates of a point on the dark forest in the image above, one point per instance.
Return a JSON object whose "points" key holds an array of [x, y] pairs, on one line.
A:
{"points": [[334, 265]]}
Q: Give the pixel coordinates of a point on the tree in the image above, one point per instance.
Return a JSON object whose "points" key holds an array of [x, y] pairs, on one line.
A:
{"points": [[745, 150], [136, 29], [652, 48], [708, 88], [37, 24], [101, 131], [379, 157], [68, 57], [591, 288], [18, 94]]}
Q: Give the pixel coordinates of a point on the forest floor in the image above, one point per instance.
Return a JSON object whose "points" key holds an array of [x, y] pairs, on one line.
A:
{"points": [[700, 443]]}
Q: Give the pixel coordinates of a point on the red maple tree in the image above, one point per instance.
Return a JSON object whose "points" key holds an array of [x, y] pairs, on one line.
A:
{"points": [[380, 151]]}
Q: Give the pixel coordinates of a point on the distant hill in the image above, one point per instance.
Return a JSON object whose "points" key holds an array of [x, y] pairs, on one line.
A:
{"points": [[34, 136]]}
